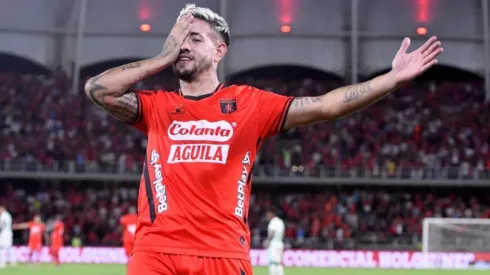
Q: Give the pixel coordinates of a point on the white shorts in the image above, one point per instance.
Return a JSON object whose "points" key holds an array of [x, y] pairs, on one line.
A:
{"points": [[5, 241], [275, 251]]}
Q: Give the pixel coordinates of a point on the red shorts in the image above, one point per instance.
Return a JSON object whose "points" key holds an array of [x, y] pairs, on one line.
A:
{"points": [[54, 249], [35, 246], [154, 263]]}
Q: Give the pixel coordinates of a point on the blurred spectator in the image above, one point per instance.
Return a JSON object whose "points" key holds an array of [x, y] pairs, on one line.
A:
{"points": [[315, 217], [424, 125]]}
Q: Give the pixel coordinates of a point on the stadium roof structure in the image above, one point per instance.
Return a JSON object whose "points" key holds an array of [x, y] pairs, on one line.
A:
{"points": [[345, 38]]}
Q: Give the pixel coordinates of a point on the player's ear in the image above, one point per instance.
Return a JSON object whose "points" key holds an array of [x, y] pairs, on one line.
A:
{"points": [[220, 52]]}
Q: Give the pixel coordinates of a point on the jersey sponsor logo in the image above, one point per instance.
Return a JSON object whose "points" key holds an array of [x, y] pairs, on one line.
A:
{"points": [[200, 130], [210, 153], [160, 192], [246, 159], [242, 183]]}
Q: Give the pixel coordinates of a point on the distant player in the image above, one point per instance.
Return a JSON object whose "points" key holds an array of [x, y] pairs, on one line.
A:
{"points": [[274, 242], [57, 231], [36, 230], [128, 223], [203, 138], [7, 253]]}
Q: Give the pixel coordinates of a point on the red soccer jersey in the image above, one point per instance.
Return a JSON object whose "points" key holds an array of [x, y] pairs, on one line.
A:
{"points": [[129, 222], [57, 234], [36, 231], [195, 188]]}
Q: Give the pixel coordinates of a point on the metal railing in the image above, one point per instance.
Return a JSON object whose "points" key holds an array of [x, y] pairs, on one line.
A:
{"points": [[262, 173]]}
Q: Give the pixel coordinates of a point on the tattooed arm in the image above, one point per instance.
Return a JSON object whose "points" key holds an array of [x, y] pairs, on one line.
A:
{"points": [[339, 102], [110, 90], [343, 101]]}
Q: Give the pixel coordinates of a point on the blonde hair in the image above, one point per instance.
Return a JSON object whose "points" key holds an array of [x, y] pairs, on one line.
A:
{"points": [[217, 22]]}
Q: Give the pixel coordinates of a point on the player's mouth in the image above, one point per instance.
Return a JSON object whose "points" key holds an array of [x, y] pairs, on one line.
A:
{"points": [[184, 58]]}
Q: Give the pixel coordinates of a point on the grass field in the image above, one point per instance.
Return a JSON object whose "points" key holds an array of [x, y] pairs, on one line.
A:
{"points": [[83, 269]]}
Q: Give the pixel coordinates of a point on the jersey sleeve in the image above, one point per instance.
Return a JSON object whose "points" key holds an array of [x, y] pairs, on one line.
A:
{"points": [[146, 103], [273, 109]]}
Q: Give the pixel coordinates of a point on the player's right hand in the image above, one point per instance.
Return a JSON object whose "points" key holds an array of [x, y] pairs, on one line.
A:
{"points": [[171, 48]]}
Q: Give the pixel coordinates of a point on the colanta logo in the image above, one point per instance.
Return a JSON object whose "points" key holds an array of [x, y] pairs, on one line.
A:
{"points": [[201, 130]]}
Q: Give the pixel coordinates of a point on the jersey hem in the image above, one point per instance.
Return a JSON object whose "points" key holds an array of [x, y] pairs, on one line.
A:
{"points": [[194, 252]]}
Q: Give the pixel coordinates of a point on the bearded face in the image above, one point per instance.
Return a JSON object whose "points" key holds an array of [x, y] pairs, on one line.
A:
{"points": [[197, 52], [188, 66]]}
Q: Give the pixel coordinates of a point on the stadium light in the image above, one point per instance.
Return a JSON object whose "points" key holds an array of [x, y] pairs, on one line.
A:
{"points": [[285, 29], [423, 9], [144, 13], [421, 31], [145, 27]]}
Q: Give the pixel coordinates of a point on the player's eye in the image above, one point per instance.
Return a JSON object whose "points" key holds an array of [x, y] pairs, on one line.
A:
{"points": [[196, 40]]}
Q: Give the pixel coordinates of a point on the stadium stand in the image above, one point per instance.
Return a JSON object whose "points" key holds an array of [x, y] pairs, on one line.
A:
{"points": [[402, 184], [427, 127], [323, 217], [424, 128]]}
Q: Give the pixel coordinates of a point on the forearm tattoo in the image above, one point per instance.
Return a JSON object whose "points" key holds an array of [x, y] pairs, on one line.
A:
{"points": [[300, 102], [353, 92], [131, 66]]}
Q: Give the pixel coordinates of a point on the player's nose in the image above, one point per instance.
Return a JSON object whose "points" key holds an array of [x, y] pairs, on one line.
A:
{"points": [[185, 47]]}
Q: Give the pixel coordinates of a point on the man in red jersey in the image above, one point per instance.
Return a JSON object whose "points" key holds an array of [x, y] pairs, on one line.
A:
{"points": [[58, 229], [202, 141], [128, 223], [36, 230]]}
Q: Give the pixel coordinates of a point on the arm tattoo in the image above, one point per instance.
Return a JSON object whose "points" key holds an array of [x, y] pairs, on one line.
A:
{"points": [[355, 91], [123, 107], [300, 102], [94, 87], [131, 66]]}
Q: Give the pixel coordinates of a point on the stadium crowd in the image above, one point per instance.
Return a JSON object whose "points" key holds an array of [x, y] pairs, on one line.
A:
{"points": [[427, 125], [91, 210], [430, 125]]}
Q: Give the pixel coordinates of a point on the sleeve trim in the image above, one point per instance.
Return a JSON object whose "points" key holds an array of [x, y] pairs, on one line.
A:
{"points": [[284, 114]]}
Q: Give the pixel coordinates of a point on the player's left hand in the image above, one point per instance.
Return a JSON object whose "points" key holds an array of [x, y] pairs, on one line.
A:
{"points": [[408, 66]]}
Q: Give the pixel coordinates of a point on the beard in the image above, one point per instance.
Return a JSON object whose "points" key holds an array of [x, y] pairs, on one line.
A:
{"points": [[189, 72]]}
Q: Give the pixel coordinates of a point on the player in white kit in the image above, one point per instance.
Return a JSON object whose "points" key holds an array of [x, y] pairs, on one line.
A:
{"points": [[274, 242], [6, 236]]}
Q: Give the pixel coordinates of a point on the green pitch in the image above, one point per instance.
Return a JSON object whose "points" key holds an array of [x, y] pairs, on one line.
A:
{"points": [[75, 269]]}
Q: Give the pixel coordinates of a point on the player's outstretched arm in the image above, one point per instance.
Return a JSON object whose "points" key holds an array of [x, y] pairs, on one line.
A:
{"points": [[346, 100], [110, 90], [20, 226]]}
